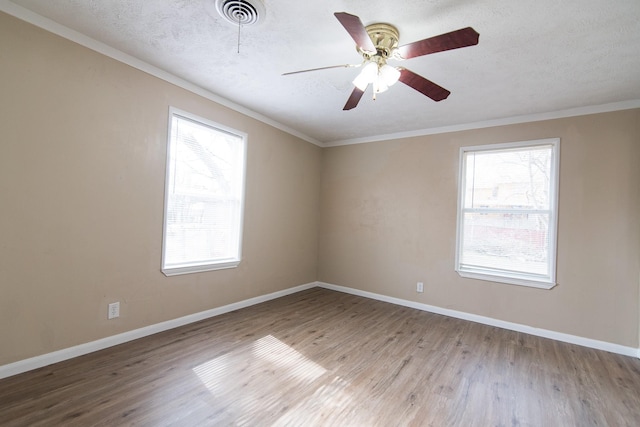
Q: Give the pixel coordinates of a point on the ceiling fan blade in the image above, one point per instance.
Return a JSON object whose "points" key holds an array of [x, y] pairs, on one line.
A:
{"points": [[354, 98], [323, 68], [356, 30], [453, 40], [422, 85]]}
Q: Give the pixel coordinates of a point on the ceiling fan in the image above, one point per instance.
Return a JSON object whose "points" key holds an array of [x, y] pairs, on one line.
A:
{"points": [[378, 43]]}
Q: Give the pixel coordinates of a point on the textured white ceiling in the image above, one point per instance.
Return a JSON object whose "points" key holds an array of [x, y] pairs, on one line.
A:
{"points": [[533, 57]]}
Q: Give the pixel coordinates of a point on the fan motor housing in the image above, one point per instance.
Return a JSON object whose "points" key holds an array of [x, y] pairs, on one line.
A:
{"points": [[385, 39]]}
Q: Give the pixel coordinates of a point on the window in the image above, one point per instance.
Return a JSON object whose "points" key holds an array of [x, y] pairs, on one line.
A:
{"points": [[507, 212], [203, 196]]}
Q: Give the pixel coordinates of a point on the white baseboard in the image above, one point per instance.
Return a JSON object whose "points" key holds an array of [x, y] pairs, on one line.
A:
{"points": [[79, 350], [545, 333]]}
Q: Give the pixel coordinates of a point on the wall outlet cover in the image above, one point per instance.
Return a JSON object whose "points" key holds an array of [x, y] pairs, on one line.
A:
{"points": [[114, 310]]}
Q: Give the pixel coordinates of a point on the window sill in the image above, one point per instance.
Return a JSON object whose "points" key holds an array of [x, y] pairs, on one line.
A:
{"points": [[507, 280], [176, 271]]}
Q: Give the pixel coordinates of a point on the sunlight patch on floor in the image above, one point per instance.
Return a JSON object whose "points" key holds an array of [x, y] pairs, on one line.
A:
{"points": [[268, 355], [268, 378], [265, 378], [272, 350]]}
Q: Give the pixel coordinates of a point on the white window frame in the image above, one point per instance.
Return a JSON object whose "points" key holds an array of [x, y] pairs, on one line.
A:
{"points": [[208, 265], [515, 278]]}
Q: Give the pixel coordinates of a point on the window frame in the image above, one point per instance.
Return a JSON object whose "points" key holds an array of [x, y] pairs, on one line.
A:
{"points": [[209, 265], [503, 276]]}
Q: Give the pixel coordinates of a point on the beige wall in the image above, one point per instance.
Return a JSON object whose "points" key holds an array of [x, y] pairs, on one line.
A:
{"points": [[82, 161], [389, 220], [82, 169]]}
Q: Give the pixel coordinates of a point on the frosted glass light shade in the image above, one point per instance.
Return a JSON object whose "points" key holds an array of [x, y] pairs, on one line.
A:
{"points": [[366, 76], [389, 74]]}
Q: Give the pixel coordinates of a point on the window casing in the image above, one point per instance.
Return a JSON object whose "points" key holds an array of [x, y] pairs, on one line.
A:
{"points": [[204, 195], [507, 212]]}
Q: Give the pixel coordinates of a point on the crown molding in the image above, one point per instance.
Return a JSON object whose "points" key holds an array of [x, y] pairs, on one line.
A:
{"points": [[60, 30], [527, 118], [49, 25]]}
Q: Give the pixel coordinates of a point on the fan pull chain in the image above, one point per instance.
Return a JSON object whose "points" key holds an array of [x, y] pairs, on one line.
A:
{"points": [[239, 26]]}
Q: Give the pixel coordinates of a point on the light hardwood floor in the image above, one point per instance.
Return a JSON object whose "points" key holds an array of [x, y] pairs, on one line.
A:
{"points": [[321, 357]]}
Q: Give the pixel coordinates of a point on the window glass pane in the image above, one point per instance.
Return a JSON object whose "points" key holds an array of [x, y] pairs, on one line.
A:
{"points": [[508, 179], [506, 241], [204, 195]]}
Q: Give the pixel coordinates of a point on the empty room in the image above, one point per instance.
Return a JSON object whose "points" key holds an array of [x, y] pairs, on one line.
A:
{"points": [[336, 213]]}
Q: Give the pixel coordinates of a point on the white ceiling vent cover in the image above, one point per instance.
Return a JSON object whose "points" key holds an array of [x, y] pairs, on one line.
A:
{"points": [[243, 12]]}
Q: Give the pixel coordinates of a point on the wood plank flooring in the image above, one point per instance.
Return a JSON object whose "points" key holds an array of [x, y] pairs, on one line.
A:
{"points": [[319, 358]]}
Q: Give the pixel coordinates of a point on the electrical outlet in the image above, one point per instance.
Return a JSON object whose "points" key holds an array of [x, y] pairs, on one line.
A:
{"points": [[114, 310], [420, 287]]}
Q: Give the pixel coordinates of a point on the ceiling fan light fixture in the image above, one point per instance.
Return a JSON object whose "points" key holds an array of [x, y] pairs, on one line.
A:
{"points": [[378, 43], [367, 76], [381, 77]]}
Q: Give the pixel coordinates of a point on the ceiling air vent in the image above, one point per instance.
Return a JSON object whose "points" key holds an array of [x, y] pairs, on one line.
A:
{"points": [[241, 12]]}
